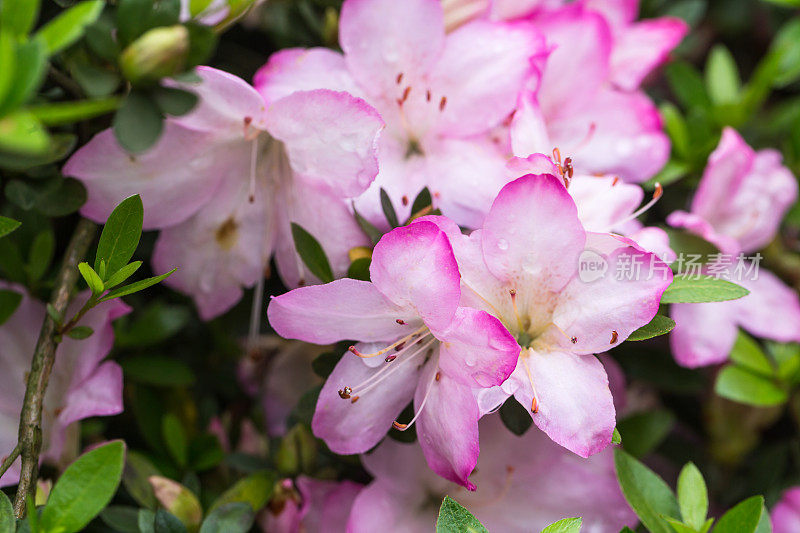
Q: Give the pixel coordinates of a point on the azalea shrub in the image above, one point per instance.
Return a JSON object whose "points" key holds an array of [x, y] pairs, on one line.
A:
{"points": [[400, 265]]}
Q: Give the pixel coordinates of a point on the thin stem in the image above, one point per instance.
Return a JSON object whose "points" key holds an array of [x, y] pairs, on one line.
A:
{"points": [[30, 420], [8, 461]]}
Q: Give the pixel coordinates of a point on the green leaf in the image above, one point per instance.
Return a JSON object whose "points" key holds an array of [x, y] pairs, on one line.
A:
{"points": [[175, 438], [366, 226], [660, 325], [121, 518], [687, 85], [359, 269], [59, 113], [63, 196], [175, 102], [202, 41], [236, 517], [324, 363], [722, 76], [80, 332], [122, 274], [693, 289], [743, 518], [454, 518], [785, 3], [679, 526], [135, 287], [136, 478], [643, 431], [786, 49], [22, 133], [41, 254], [645, 492], [147, 519], [138, 123], [515, 417], [84, 489], [740, 385], [566, 525], [92, 279], [178, 500], [157, 323], [616, 437], [21, 194], [9, 301], [312, 253], [255, 490], [161, 371], [205, 453], [8, 522], [120, 235], [676, 128], [748, 354], [422, 201], [18, 16], [7, 225], [388, 209], [692, 496], [166, 522], [69, 26], [29, 72]]}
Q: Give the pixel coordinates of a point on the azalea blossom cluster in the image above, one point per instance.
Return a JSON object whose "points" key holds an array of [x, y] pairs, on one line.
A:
{"points": [[526, 122]]}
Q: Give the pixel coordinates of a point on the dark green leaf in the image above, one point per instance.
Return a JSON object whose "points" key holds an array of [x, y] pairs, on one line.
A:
{"points": [[147, 521], [120, 235], [643, 431], [324, 363], [175, 438], [175, 102], [567, 525], [121, 518], [366, 226], [92, 279], [236, 517], [69, 26], [312, 253], [743, 518], [41, 254], [515, 417], [740, 385], [84, 489], [9, 301], [255, 490], [179, 501], [138, 471], [97, 82], [53, 314], [8, 522], [138, 123], [161, 371], [166, 522], [136, 287], [157, 323], [205, 453], [359, 269], [122, 274], [202, 41], [388, 209], [689, 289], [645, 492], [422, 201], [676, 128], [80, 332], [692, 496], [660, 325], [21, 194], [7, 225], [454, 518], [62, 197]]}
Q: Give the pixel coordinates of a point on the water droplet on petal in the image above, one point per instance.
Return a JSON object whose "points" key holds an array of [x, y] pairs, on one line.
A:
{"points": [[502, 244]]}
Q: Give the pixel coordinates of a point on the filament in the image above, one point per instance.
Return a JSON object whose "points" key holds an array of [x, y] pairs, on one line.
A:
{"points": [[369, 383], [398, 342], [403, 427], [646, 207]]}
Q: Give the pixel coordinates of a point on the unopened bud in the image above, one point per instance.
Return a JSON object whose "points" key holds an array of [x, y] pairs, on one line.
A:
{"points": [[158, 53]]}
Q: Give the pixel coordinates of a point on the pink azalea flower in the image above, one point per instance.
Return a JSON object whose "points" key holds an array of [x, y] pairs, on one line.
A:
{"points": [[225, 181], [785, 515], [324, 507], [416, 342], [524, 484], [525, 267], [741, 199], [439, 95], [81, 385], [738, 207], [587, 102]]}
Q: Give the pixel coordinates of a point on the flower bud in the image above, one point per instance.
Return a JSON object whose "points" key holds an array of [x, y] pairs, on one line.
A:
{"points": [[297, 451], [158, 53]]}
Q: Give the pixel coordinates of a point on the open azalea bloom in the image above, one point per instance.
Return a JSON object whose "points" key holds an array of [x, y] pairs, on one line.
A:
{"points": [[524, 483], [526, 267], [437, 93], [82, 384], [785, 515], [225, 181], [415, 342]]}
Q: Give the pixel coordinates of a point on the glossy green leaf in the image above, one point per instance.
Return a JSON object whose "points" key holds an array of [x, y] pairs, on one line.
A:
{"points": [[645, 492], [691, 289], [8, 63], [136, 287], [566, 525], [454, 518], [120, 235], [122, 274], [138, 123], [236, 517], [9, 301], [660, 325], [84, 489], [92, 279], [69, 25], [687, 85], [740, 385], [80, 332], [7, 225], [367, 227], [21, 194], [786, 49], [692, 496], [743, 518], [255, 490], [18, 16], [676, 128], [312, 253], [748, 354]]}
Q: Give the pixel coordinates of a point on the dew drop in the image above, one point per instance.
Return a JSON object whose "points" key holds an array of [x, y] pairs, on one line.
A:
{"points": [[502, 244]]}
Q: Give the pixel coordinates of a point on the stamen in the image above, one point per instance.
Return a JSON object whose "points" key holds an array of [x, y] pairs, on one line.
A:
{"points": [[616, 180], [428, 95], [344, 393], [404, 200], [398, 426], [535, 402], [401, 321], [383, 351], [557, 157], [513, 293], [387, 370], [614, 336], [253, 162], [390, 358], [406, 92], [442, 103], [656, 195], [354, 400], [402, 427], [399, 79]]}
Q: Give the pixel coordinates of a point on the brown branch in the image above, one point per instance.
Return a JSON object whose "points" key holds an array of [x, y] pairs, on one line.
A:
{"points": [[30, 421]]}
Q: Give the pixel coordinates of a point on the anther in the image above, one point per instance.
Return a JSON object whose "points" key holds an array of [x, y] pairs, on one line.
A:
{"points": [[535, 405], [616, 180], [574, 340], [568, 167], [399, 79], [442, 103], [401, 321], [248, 120], [400, 346], [344, 393], [405, 94], [438, 376], [390, 358], [397, 425], [428, 95], [354, 399], [404, 200], [614, 336]]}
